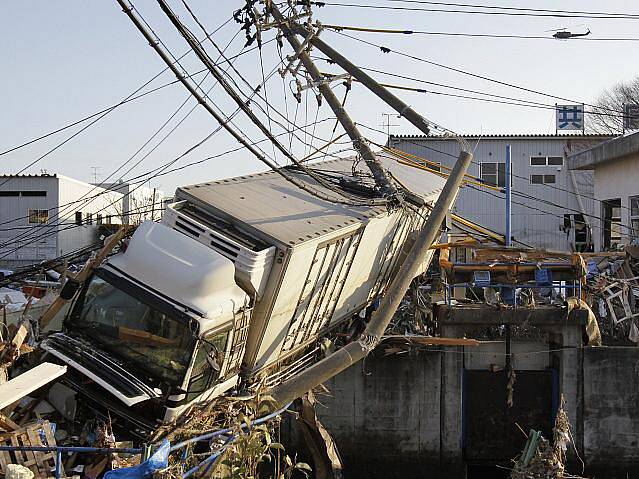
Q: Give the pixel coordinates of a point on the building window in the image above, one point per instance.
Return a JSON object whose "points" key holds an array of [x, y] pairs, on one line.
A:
{"points": [[611, 212], [78, 218], [98, 219], [23, 193], [634, 215], [546, 161], [493, 174], [89, 218], [33, 193], [542, 179], [38, 216]]}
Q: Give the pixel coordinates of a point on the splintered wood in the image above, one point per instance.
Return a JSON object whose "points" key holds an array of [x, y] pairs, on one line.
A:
{"points": [[41, 463]]}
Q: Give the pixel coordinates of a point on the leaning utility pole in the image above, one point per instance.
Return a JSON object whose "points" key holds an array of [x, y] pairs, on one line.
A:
{"points": [[357, 350], [381, 179], [417, 120]]}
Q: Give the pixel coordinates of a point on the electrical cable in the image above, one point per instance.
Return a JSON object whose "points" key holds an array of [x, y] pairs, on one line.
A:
{"points": [[477, 12], [517, 9], [204, 58], [135, 97], [464, 72], [515, 101], [521, 194], [351, 28], [254, 90], [60, 211]]}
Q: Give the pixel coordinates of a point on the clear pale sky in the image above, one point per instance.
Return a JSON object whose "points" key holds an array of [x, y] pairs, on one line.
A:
{"points": [[65, 59]]}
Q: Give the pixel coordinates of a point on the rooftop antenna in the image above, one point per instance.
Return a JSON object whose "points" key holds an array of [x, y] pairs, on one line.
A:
{"points": [[95, 172], [386, 122]]}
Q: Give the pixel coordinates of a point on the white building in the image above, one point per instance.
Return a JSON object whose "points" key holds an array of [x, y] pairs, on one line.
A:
{"points": [[552, 205], [45, 216], [616, 176], [139, 203]]}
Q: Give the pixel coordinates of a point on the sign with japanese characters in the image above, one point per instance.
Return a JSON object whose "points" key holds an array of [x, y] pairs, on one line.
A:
{"points": [[631, 117], [570, 117]]}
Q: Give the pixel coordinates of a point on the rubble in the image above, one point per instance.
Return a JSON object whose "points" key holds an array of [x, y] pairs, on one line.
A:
{"points": [[612, 292], [542, 460]]}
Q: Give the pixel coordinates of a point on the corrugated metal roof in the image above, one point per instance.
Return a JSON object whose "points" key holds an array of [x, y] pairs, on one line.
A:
{"points": [[277, 209], [27, 175], [503, 136]]}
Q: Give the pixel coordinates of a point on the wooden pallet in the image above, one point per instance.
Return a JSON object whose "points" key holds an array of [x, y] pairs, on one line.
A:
{"points": [[41, 463]]}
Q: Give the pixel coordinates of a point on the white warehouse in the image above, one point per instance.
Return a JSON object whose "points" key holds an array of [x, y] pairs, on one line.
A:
{"points": [[139, 203], [48, 215], [553, 206]]}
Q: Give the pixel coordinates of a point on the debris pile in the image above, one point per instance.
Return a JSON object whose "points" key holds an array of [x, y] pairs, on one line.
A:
{"points": [[542, 460], [612, 287]]}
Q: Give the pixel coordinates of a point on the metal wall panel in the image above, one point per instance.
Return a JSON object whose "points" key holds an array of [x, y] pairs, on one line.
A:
{"points": [[538, 210]]}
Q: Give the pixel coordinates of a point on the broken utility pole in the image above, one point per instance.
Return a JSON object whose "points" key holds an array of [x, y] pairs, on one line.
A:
{"points": [[381, 179], [417, 120], [356, 350]]}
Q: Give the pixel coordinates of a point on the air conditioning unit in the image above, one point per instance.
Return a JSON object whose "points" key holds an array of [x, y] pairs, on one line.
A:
{"points": [[251, 267]]}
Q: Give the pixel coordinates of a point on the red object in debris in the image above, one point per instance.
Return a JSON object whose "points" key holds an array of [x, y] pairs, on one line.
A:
{"points": [[35, 291]]}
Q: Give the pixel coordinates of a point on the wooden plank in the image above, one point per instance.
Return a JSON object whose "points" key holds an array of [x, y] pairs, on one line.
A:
{"points": [[5, 459], [430, 340], [34, 440], [27, 382], [7, 424]]}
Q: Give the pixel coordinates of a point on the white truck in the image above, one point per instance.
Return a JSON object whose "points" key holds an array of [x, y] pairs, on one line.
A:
{"points": [[239, 283]]}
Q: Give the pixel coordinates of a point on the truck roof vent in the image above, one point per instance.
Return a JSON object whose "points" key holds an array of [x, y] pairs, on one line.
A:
{"points": [[251, 266]]}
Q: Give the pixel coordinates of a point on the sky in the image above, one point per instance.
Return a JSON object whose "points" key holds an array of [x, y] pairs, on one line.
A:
{"points": [[67, 59]]}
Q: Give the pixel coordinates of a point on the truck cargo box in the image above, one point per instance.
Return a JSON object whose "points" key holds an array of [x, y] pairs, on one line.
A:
{"points": [[310, 263]]}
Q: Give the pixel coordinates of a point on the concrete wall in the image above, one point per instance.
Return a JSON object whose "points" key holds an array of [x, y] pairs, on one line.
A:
{"points": [[611, 409], [617, 179], [386, 422], [400, 416]]}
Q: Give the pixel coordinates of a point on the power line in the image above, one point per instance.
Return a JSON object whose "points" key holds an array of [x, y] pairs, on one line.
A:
{"points": [[148, 153], [479, 12], [133, 98], [516, 9], [340, 28], [63, 210], [467, 73], [515, 101], [519, 193]]}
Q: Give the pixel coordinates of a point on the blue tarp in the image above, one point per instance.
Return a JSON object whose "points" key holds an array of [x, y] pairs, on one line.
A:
{"points": [[159, 460]]}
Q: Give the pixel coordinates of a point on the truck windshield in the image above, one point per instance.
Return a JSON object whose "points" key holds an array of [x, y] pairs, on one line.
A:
{"points": [[134, 332]]}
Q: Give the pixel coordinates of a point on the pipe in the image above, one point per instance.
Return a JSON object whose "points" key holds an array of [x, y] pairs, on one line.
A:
{"points": [[356, 350], [509, 234]]}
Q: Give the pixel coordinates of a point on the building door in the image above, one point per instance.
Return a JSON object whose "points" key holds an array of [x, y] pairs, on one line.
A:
{"points": [[491, 430], [611, 214]]}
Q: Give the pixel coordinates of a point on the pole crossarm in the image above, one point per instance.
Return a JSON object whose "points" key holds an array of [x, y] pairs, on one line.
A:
{"points": [[359, 143]]}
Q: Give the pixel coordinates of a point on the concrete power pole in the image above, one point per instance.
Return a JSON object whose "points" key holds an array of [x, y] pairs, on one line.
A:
{"points": [[381, 179], [356, 350]]}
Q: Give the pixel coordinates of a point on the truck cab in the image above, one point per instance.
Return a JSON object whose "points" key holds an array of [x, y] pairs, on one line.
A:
{"points": [[157, 326]]}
